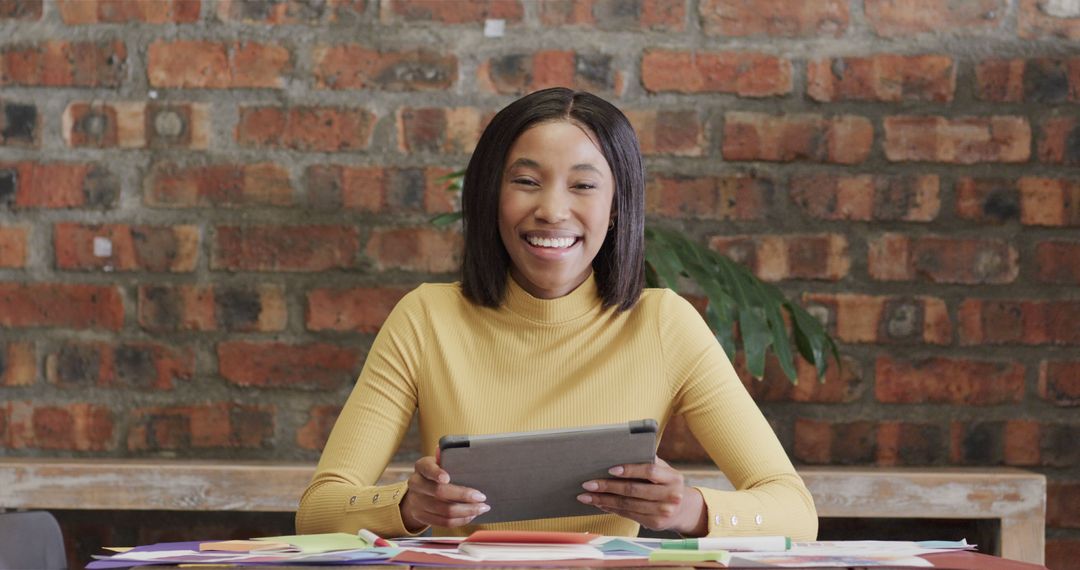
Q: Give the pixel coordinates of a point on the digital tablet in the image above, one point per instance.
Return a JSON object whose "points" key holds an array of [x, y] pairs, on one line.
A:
{"points": [[538, 474]]}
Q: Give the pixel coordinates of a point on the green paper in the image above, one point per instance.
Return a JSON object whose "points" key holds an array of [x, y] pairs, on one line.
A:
{"points": [[318, 543]]}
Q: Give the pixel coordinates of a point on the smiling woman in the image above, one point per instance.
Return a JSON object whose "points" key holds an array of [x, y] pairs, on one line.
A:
{"points": [[555, 207], [551, 328]]}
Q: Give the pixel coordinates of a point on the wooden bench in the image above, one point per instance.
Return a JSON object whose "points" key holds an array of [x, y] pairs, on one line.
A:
{"points": [[1015, 498]]}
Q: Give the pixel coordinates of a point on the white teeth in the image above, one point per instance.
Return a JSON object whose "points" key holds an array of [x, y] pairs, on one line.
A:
{"points": [[559, 243]]}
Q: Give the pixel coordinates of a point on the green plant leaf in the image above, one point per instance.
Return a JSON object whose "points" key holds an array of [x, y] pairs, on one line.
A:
{"points": [[443, 220]]}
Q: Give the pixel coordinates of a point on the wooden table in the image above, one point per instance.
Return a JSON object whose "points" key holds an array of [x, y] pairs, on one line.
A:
{"points": [[1014, 497]]}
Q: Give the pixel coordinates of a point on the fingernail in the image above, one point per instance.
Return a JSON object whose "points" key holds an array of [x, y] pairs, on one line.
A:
{"points": [[584, 498], [617, 470], [444, 478], [477, 496], [590, 485], [484, 508]]}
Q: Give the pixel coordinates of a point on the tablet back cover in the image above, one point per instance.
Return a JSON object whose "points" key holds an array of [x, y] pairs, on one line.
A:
{"points": [[537, 475]]}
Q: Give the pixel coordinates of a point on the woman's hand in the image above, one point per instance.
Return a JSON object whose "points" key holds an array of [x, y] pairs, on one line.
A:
{"points": [[653, 494], [432, 501]]}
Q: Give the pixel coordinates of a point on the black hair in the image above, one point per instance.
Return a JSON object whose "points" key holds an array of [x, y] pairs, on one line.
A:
{"points": [[619, 265]]}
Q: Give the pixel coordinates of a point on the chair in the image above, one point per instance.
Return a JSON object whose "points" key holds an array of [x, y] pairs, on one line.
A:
{"points": [[31, 540]]}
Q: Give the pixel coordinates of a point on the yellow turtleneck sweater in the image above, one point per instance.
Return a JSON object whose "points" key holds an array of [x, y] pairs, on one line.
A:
{"points": [[544, 364]]}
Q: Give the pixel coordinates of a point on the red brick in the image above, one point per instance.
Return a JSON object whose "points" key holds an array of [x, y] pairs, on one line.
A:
{"points": [[437, 129], [840, 385], [911, 443], [382, 190], [985, 321], [289, 11], [521, 73], [253, 308], [203, 426], [736, 197], [1038, 19], [1063, 504], [967, 140], [1049, 202], [742, 73], [776, 257], [360, 310], [69, 427], [615, 15], [1062, 552], [136, 125], [18, 364], [172, 249], [1060, 141], [1041, 80], [668, 132], [352, 66], [884, 319], [896, 257], [64, 64], [1059, 382], [782, 18], [13, 240], [885, 77], [415, 249], [27, 305], [24, 10], [77, 12], [57, 185], [452, 11], [678, 444], [1022, 442], [284, 248], [127, 365], [313, 434], [280, 365], [993, 200], [220, 185], [866, 197], [948, 381], [20, 124], [891, 18], [844, 139], [311, 129], [201, 64], [823, 442], [977, 443], [1058, 262]]}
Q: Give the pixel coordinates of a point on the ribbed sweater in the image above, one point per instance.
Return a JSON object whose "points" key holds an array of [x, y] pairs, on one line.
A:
{"points": [[543, 364]]}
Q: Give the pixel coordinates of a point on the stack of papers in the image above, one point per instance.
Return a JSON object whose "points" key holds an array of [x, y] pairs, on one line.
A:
{"points": [[488, 548]]}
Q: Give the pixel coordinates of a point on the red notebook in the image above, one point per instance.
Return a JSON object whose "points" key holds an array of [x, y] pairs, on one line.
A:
{"points": [[530, 537]]}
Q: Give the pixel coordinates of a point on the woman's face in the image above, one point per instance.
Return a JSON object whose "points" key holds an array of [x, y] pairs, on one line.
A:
{"points": [[554, 207]]}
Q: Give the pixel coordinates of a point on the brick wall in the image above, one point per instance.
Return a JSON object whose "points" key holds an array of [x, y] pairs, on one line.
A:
{"points": [[207, 207]]}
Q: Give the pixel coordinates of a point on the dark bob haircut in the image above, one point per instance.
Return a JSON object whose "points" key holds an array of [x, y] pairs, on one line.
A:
{"points": [[619, 265]]}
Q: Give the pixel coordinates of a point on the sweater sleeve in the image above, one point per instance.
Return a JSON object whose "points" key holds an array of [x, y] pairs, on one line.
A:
{"points": [[769, 497], [343, 495]]}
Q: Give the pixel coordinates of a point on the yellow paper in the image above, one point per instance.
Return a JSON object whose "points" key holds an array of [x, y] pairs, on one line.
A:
{"points": [[242, 545], [118, 548]]}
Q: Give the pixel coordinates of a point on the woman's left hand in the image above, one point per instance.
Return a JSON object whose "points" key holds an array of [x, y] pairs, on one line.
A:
{"points": [[653, 494]]}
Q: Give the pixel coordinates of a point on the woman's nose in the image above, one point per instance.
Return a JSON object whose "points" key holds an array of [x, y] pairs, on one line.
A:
{"points": [[553, 206]]}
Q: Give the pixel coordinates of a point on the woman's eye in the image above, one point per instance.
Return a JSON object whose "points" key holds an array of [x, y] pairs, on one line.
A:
{"points": [[523, 181], [584, 186]]}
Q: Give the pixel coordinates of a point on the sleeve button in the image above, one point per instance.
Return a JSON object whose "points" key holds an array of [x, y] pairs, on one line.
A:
{"points": [[734, 520], [375, 498], [719, 521], [352, 500], [758, 519]]}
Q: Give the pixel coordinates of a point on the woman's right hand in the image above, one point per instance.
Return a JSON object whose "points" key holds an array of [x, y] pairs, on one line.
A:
{"points": [[432, 501]]}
